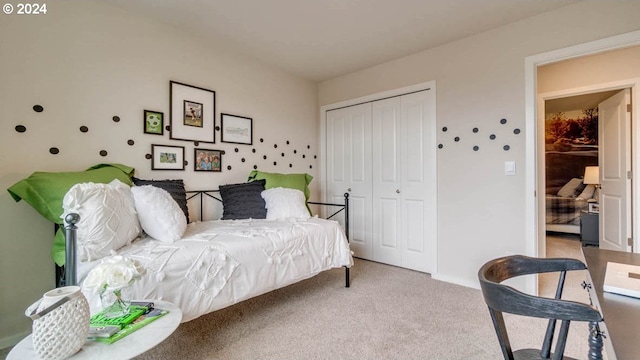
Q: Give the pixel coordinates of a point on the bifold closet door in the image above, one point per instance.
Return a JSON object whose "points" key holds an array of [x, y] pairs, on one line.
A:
{"points": [[402, 158], [349, 170]]}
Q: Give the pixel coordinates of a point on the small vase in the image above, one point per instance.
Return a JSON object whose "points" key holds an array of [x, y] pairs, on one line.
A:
{"points": [[116, 303]]}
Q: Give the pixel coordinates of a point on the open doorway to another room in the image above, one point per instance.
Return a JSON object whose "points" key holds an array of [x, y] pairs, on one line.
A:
{"points": [[571, 173]]}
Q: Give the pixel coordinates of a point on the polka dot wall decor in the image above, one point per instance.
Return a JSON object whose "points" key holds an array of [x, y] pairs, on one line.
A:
{"points": [[492, 136]]}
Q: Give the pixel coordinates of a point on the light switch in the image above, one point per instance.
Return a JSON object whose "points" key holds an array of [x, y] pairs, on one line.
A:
{"points": [[509, 167]]}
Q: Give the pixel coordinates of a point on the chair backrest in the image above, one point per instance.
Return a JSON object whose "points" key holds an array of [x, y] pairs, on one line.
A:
{"points": [[502, 298]]}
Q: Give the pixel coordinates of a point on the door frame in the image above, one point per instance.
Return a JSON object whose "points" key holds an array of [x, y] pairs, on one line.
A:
{"points": [[532, 225], [433, 193], [633, 84]]}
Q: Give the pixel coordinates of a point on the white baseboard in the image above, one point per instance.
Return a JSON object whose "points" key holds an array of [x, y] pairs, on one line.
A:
{"points": [[13, 339], [456, 280]]}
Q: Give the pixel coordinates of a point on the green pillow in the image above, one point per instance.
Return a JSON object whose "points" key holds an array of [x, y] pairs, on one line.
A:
{"points": [[45, 190], [292, 181]]}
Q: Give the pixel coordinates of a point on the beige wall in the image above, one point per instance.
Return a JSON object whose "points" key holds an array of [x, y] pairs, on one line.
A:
{"points": [[596, 69], [87, 61], [480, 80]]}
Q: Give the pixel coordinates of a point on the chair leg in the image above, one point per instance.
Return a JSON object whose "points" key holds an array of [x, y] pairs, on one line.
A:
{"points": [[545, 352], [501, 331], [595, 341], [558, 354]]}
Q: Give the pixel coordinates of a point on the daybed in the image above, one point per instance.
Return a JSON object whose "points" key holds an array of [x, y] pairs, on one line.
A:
{"points": [[205, 265]]}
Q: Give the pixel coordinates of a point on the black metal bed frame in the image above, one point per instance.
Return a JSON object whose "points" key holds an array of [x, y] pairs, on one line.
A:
{"points": [[66, 275]]}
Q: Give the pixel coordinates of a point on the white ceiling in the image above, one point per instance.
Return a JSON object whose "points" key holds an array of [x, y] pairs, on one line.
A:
{"points": [[321, 39]]}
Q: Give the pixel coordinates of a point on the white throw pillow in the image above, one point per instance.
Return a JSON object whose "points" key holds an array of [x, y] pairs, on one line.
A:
{"points": [[587, 193], [569, 189], [108, 218], [284, 203], [160, 215]]}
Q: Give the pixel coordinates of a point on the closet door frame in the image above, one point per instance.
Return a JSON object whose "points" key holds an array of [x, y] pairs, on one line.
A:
{"points": [[431, 227]]}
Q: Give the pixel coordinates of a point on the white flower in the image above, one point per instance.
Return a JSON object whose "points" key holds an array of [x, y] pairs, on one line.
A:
{"points": [[113, 273]]}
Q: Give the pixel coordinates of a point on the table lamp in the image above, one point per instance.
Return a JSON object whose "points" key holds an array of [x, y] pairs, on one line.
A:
{"points": [[592, 176]]}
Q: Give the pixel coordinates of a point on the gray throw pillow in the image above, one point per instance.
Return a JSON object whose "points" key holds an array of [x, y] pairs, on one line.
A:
{"points": [[243, 201]]}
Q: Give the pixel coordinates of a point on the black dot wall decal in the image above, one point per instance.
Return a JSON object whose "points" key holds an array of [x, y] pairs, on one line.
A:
{"points": [[476, 148], [186, 163], [315, 156], [217, 128], [275, 163], [130, 142], [21, 128], [103, 153], [196, 143], [223, 152], [304, 156], [503, 121], [456, 139], [275, 146], [506, 147], [440, 146], [310, 166], [516, 131], [492, 136], [261, 140], [168, 127], [295, 151], [147, 156], [282, 154], [253, 151], [54, 150], [475, 130], [444, 129], [116, 118], [255, 167], [229, 167], [264, 157], [84, 129], [287, 142], [236, 149], [243, 160], [308, 147], [38, 108], [290, 165]]}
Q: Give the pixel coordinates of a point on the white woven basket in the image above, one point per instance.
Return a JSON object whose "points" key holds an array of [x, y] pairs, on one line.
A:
{"points": [[60, 323]]}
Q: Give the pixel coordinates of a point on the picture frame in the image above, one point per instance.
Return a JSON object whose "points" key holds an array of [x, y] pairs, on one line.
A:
{"points": [[153, 122], [594, 207], [192, 113], [207, 160], [167, 157], [236, 129]]}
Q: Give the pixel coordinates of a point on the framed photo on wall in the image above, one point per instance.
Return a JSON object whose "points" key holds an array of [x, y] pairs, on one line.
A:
{"points": [[153, 122], [207, 160], [167, 157], [236, 129], [594, 207], [192, 113]]}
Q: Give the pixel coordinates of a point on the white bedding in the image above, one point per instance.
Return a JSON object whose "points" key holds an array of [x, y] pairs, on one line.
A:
{"points": [[219, 263]]}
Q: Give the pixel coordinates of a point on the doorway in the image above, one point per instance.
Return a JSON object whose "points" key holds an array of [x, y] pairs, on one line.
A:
{"points": [[535, 244]]}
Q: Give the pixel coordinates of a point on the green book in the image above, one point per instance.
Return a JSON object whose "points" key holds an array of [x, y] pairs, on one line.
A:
{"points": [[136, 324], [99, 320]]}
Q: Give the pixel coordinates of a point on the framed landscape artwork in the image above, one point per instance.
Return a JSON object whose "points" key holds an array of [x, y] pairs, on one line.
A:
{"points": [[167, 157]]}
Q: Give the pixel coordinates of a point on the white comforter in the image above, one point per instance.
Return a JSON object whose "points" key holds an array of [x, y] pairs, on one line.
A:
{"points": [[219, 263]]}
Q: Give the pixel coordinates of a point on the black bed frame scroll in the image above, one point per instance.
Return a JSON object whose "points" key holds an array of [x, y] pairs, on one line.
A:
{"points": [[66, 275]]}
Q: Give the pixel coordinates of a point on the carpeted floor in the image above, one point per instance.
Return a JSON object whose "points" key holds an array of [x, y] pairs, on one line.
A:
{"points": [[388, 313]]}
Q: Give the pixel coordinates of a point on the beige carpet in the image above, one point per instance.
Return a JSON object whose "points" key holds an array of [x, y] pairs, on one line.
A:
{"points": [[388, 313]]}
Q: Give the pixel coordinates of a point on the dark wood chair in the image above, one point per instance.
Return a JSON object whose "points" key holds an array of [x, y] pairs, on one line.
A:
{"points": [[501, 299]]}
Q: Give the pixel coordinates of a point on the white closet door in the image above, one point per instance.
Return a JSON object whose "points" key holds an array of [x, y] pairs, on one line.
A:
{"points": [[417, 157], [403, 177], [387, 137], [349, 170]]}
